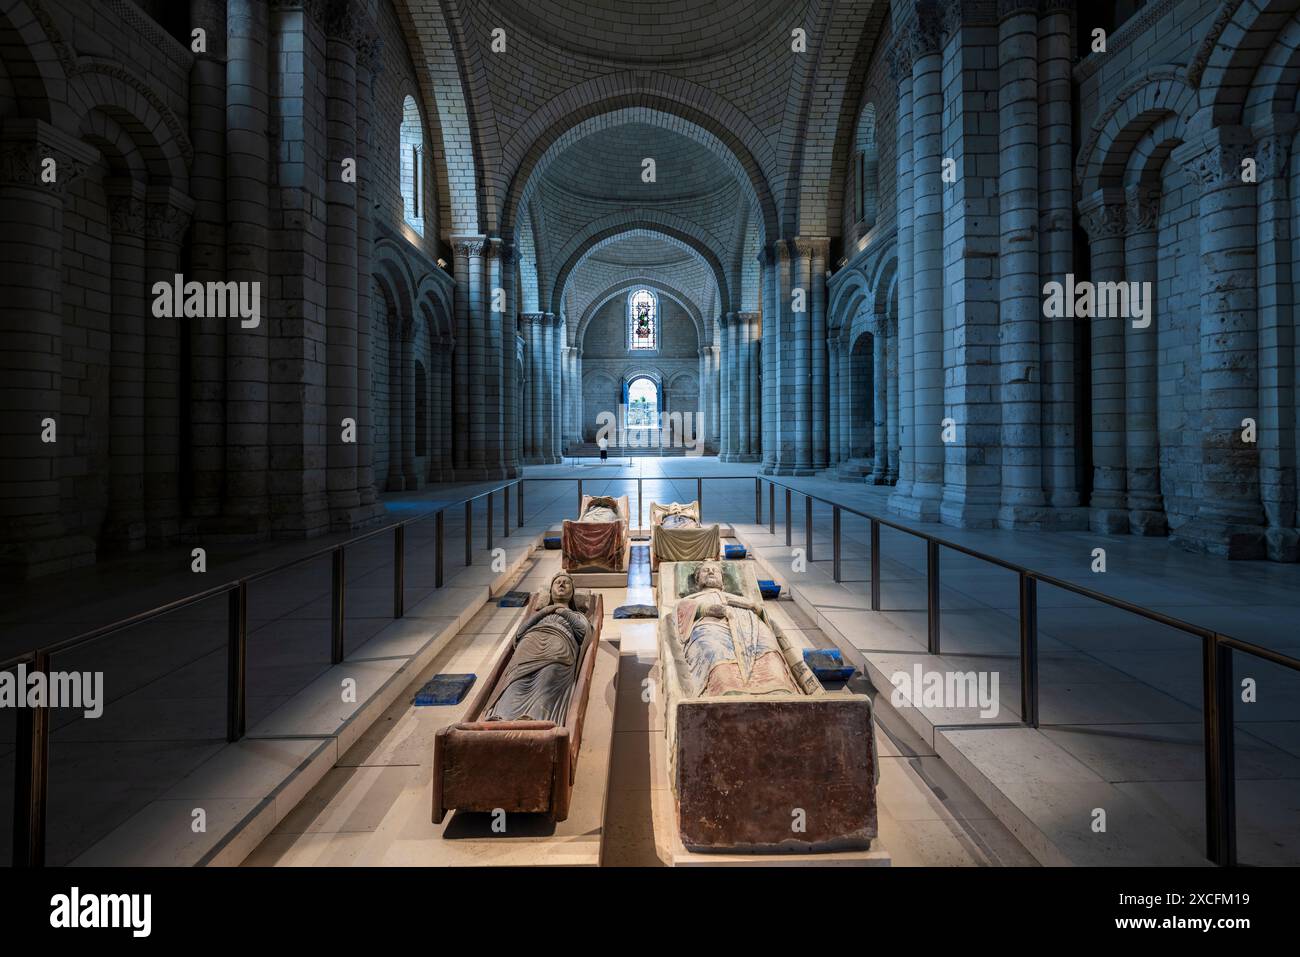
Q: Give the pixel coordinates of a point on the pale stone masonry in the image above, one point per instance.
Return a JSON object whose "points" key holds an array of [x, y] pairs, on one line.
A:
{"points": [[850, 247]]}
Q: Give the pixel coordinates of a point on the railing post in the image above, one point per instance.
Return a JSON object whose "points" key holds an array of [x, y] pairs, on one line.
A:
{"points": [[488, 524], [520, 504], [399, 571], [1220, 773], [699, 496], [771, 508], [1029, 650], [932, 593], [505, 511], [236, 661], [835, 540], [579, 498], [875, 565], [437, 561], [807, 527], [31, 777], [788, 525], [638, 504], [469, 533], [337, 606], [758, 501]]}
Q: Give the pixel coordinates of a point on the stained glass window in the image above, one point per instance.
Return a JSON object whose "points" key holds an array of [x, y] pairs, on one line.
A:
{"points": [[642, 319]]}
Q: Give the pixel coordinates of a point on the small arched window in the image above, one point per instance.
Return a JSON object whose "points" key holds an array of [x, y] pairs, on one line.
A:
{"points": [[411, 145], [642, 320], [866, 169]]}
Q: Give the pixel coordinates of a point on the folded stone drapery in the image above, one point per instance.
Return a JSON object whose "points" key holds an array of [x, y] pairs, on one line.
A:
{"points": [[593, 545], [686, 544]]}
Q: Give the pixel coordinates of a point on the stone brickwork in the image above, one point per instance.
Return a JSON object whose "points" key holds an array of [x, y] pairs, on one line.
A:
{"points": [[851, 243]]}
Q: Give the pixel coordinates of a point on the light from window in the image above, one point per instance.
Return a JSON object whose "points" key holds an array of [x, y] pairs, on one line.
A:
{"points": [[642, 404], [642, 320], [412, 165]]}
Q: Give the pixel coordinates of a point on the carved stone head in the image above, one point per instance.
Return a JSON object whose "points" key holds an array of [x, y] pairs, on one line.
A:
{"points": [[562, 589], [709, 575]]}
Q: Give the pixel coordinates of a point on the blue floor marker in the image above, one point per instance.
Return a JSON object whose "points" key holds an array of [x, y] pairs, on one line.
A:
{"points": [[444, 690], [769, 589], [827, 664], [514, 599], [735, 551], [636, 611]]}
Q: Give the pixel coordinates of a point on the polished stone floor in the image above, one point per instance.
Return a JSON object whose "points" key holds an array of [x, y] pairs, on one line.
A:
{"points": [[1121, 697]]}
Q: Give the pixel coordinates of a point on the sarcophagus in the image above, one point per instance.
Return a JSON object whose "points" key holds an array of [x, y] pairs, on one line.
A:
{"points": [[786, 766], [677, 535], [516, 766], [591, 545]]}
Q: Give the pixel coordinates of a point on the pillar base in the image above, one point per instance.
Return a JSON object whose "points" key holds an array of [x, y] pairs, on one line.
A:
{"points": [[120, 537], [1029, 517], [27, 560], [355, 516], [917, 509], [229, 528], [747, 457], [1148, 522], [1108, 521], [961, 514], [1282, 544], [1227, 540]]}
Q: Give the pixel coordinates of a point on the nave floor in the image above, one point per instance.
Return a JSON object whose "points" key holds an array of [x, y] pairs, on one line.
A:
{"points": [[374, 807]]}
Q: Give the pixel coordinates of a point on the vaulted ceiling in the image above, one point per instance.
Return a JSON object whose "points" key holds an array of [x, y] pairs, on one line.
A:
{"points": [[749, 137]]}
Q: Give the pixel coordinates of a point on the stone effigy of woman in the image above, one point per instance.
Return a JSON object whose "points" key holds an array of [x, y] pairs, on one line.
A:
{"points": [[730, 648], [538, 680]]}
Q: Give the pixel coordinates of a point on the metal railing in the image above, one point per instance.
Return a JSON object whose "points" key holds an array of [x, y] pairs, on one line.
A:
{"points": [[1216, 648], [33, 724], [32, 737]]}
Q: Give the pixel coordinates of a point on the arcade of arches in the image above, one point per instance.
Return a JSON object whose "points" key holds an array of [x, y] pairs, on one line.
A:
{"points": [[832, 259]]}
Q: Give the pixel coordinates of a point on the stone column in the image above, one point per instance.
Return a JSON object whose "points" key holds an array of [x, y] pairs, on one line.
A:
{"points": [[32, 539], [820, 378], [396, 479], [753, 417], [554, 337], [727, 387], [1229, 518], [1023, 504], [167, 217], [1146, 511], [341, 321], [531, 322], [771, 367], [801, 279], [740, 332], [462, 361], [370, 63], [1277, 341], [409, 473], [891, 401], [836, 397], [879, 405], [847, 411], [207, 262], [246, 507], [927, 269], [124, 526], [901, 70], [490, 436], [509, 362], [1056, 257], [477, 363], [1103, 218]]}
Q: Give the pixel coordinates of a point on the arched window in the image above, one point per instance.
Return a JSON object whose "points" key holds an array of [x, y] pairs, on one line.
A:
{"points": [[642, 320], [642, 404], [866, 169], [411, 145]]}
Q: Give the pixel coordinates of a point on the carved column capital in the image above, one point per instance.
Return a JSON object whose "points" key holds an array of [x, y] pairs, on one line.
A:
{"points": [[468, 246], [26, 146], [167, 215], [1142, 209], [925, 33], [126, 215], [1104, 215], [370, 51], [344, 22], [1215, 160]]}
